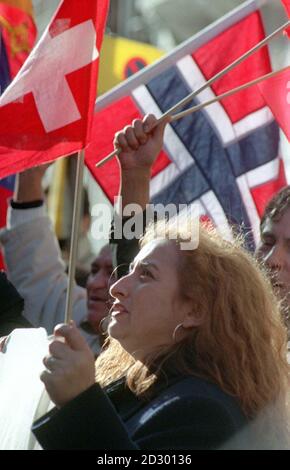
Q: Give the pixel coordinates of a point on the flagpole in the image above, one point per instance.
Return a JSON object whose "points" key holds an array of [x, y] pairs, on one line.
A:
{"points": [[208, 83], [75, 234], [224, 71], [200, 106]]}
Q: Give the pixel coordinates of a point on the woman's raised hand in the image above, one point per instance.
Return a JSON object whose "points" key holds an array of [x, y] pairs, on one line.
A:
{"points": [[140, 143]]}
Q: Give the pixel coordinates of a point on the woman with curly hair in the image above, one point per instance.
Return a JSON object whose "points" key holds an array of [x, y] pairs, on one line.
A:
{"points": [[196, 350], [196, 356]]}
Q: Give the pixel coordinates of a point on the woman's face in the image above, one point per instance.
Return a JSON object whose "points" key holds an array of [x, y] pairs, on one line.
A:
{"points": [[148, 306]]}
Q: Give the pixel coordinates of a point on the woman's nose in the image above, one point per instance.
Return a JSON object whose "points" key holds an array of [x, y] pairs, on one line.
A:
{"points": [[121, 287]]}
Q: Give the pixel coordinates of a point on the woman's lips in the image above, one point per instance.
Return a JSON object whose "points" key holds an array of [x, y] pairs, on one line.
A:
{"points": [[118, 309]]}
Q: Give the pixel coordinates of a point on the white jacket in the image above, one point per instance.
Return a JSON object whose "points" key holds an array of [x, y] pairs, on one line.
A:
{"points": [[36, 269]]}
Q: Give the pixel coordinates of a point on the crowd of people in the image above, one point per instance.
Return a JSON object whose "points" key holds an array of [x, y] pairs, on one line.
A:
{"points": [[170, 348]]}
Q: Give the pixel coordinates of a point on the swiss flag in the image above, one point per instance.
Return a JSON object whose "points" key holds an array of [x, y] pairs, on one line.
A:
{"points": [[47, 110], [276, 92]]}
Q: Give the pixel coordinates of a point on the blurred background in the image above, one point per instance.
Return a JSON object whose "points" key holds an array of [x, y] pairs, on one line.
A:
{"points": [[163, 24], [166, 23]]}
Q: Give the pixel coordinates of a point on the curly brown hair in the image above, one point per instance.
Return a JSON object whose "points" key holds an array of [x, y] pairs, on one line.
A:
{"points": [[240, 345]]}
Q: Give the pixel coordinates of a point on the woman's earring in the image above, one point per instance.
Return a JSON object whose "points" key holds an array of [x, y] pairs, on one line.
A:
{"points": [[103, 325], [180, 325]]}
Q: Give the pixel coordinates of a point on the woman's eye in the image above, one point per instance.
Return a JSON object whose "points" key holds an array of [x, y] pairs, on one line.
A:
{"points": [[145, 273]]}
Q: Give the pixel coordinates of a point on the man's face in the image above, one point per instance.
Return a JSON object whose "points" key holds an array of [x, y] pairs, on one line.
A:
{"points": [[274, 251], [98, 284]]}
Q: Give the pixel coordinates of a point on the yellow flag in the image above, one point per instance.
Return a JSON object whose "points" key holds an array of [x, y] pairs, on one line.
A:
{"points": [[120, 58], [18, 32], [25, 5], [56, 201]]}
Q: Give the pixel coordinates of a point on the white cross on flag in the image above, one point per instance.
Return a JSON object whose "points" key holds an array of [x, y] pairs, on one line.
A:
{"points": [[47, 110]]}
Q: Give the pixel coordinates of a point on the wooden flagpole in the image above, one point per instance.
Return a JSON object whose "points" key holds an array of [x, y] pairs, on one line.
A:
{"points": [[208, 83], [75, 234], [193, 109]]}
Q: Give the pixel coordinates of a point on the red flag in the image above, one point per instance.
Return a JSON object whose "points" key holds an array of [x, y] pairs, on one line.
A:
{"points": [[17, 36], [286, 4], [47, 111], [276, 92]]}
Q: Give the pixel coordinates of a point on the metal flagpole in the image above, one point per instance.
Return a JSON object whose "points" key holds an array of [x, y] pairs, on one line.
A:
{"points": [[75, 234]]}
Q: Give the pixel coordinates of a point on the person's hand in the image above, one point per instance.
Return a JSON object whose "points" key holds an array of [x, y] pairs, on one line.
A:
{"points": [[141, 143], [28, 184], [36, 172], [70, 366]]}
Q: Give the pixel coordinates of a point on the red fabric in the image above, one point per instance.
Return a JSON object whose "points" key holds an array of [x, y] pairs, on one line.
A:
{"points": [[19, 34], [25, 140], [5, 194], [276, 92], [286, 4], [264, 192], [222, 51], [112, 119]]}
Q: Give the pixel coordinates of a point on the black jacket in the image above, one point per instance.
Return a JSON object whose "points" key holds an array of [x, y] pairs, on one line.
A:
{"points": [[183, 413]]}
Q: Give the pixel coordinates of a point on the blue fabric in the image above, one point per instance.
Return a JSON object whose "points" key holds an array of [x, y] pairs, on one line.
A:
{"points": [[8, 183], [255, 150], [216, 167], [5, 77]]}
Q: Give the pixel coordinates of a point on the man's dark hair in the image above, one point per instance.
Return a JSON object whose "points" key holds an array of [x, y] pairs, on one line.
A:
{"points": [[277, 206]]}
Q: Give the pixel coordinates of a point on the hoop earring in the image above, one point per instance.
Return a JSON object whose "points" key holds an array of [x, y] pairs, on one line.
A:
{"points": [[104, 328], [180, 325]]}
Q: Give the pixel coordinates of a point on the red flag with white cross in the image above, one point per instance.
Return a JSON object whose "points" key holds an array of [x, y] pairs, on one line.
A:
{"points": [[47, 110]]}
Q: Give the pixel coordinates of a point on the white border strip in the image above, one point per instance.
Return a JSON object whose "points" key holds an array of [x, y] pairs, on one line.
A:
{"points": [[219, 119], [217, 116], [175, 149], [250, 207], [263, 174], [216, 213], [163, 179], [252, 122]]}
